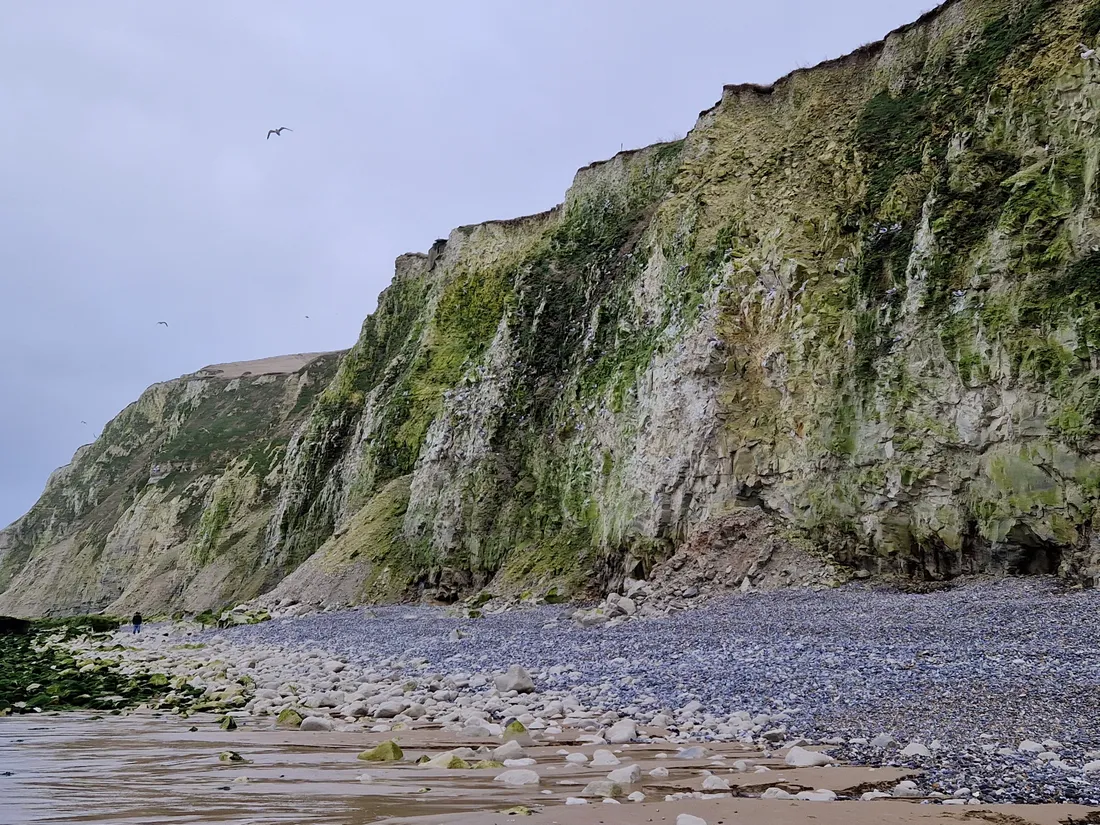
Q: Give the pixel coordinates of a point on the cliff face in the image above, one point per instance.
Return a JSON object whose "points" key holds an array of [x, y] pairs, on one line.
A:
{"points": [[866, 298], [167, 507]]}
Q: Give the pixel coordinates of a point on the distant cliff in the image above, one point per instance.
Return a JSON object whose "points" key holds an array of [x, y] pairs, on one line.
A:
{"points": [[168, 506], [865, 299]]}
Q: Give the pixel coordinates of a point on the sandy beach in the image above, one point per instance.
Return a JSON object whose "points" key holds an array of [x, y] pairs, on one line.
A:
{"points": [[781, 707], [146, 768]]}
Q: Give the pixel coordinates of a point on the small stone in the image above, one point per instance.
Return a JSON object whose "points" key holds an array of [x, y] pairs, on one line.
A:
{"points": [[906, 790], [1091, 767], [1028, 746], [517, 778], [576, 758], [519, 763], [488, 763], [798, 757], [316, 723], [574, 800], [230, 756], [816, 796], [630, 775], [388, 710], [688, 819], [659, 773], [916, 749], [622, 732], [715, 783], [872, 795], [227, 723], [509, 750], [695, 752], [602, 788], [776, 793], [604, 758], [516, 678], [637, 796], [515, 727], [386, 752], [883, 741]]}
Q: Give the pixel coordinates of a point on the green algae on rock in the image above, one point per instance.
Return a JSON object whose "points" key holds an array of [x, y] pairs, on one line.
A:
{"points": [[289, 718], [388, 751], [42, 671]]}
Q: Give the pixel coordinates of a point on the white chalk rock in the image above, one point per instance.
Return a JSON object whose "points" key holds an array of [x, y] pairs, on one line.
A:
{"points": [[798, 757], [518, 778], [630, 775], [604, 758]]}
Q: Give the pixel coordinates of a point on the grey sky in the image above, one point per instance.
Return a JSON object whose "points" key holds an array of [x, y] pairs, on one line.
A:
{"points": [[136, 184]]}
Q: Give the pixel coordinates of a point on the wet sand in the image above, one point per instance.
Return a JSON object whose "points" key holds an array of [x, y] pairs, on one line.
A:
{"points": [[144, 768]]}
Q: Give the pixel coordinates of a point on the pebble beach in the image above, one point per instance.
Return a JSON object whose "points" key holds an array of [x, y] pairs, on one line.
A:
{"points": [[977, 695]]}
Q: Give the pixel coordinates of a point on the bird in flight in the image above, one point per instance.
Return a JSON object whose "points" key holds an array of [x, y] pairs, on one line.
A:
{"points": [[162, 322], [83, 422], [277, 132]]}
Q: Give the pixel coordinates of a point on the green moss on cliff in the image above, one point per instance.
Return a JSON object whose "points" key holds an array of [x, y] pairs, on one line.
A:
{"points": [[891, 134]]}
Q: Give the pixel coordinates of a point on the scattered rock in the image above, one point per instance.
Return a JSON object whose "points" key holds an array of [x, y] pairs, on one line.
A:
{"points": [[604, 758], [629, 775], [798, 757], [516, 678], [509, 750], [622, 732], [602, 788], [916, 749], [388, 751], [517, 778]]}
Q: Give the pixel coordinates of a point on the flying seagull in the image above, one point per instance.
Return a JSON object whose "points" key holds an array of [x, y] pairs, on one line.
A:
{"points": [[162, 322], [277, 132], [1086, 52], [83, 422]]}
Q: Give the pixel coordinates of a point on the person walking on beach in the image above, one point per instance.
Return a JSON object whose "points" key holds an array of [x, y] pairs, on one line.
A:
{"points": [[137, 622]]}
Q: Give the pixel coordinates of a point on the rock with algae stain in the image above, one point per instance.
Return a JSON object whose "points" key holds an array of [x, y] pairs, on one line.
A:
{"points": [[290, 719], [515, 727], [230, 756], [227, 723], [488, 763], [386, 752]]}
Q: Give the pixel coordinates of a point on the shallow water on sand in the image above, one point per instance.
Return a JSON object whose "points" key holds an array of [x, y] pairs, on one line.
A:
{"points": [[140, 769]]}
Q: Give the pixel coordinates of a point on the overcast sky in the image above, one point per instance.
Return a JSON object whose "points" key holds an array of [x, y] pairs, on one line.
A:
{"points": [[136, 184]]}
